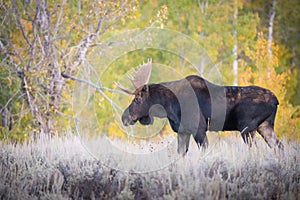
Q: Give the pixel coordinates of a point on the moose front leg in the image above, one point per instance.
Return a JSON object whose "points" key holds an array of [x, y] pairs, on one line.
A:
{"points": [[183, 143]]}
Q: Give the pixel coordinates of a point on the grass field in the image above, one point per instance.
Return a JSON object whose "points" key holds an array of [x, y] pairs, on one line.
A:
{"points": [[61, 168]]}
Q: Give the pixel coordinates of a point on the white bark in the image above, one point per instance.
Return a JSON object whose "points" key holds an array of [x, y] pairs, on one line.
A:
{"points": [[235, 66], [235, 47], [271, 25]]}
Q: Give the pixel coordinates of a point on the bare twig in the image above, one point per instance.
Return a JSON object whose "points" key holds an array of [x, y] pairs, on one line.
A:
{"points": [[17, 67], [98, 88], [83, 47], [19, 24], [89, 83], [59, 17], [9, 100]]}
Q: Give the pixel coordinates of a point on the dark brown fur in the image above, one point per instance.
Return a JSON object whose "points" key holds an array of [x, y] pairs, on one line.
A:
{"points": [[194, 105]]}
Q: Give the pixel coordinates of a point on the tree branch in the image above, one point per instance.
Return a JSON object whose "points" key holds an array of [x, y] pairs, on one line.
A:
{"points": [[98, 88], [19, 24], [17, 67], [89, 83]]}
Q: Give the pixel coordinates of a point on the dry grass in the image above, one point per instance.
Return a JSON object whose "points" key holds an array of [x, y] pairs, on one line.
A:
{"points": [[61, 168]]}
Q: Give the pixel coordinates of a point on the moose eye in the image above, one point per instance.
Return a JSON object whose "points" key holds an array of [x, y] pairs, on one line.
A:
{"points": [[138, 100]]}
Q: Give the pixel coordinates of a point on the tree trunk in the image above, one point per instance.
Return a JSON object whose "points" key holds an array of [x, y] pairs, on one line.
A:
{"points": [[271, 25], [235, 46], [6, 118]]}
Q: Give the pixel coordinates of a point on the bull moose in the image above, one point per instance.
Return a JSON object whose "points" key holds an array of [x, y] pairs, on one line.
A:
{"points": [[193, 106]]}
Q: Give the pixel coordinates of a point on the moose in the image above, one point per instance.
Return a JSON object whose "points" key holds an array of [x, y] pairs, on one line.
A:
{"points": [[193, 106]]}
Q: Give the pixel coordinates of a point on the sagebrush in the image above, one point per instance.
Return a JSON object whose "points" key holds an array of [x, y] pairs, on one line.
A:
{"points": [[61, 168]]}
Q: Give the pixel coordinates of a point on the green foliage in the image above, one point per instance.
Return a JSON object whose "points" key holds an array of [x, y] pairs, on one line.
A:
{"points": [[15, 121]]}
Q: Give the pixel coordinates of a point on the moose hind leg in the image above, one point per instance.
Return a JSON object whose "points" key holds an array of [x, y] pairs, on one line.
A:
{"points": [[249, 137], [201, 139], [183, 143], [266, 130]]}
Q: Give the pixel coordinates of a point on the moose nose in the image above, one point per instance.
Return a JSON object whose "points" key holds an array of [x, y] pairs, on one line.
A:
{"points": [[126, 118], [126, 123]]}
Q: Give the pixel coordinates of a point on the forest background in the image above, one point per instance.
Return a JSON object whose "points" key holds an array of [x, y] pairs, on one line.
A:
{"points": [[251, 42]]}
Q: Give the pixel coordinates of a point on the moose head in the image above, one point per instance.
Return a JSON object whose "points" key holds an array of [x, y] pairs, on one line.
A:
{"points": [[139, 108]]}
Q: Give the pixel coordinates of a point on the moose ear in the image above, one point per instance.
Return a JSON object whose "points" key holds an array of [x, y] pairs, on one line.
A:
{"points": [[145, 88]]}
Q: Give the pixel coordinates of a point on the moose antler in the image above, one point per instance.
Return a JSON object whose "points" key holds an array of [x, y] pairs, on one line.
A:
{"points": [[124, 89], [141, 77]]}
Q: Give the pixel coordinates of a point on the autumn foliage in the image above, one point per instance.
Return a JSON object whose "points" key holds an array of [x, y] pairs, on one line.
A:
{"points": [[261, 71], [40, 40]]}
